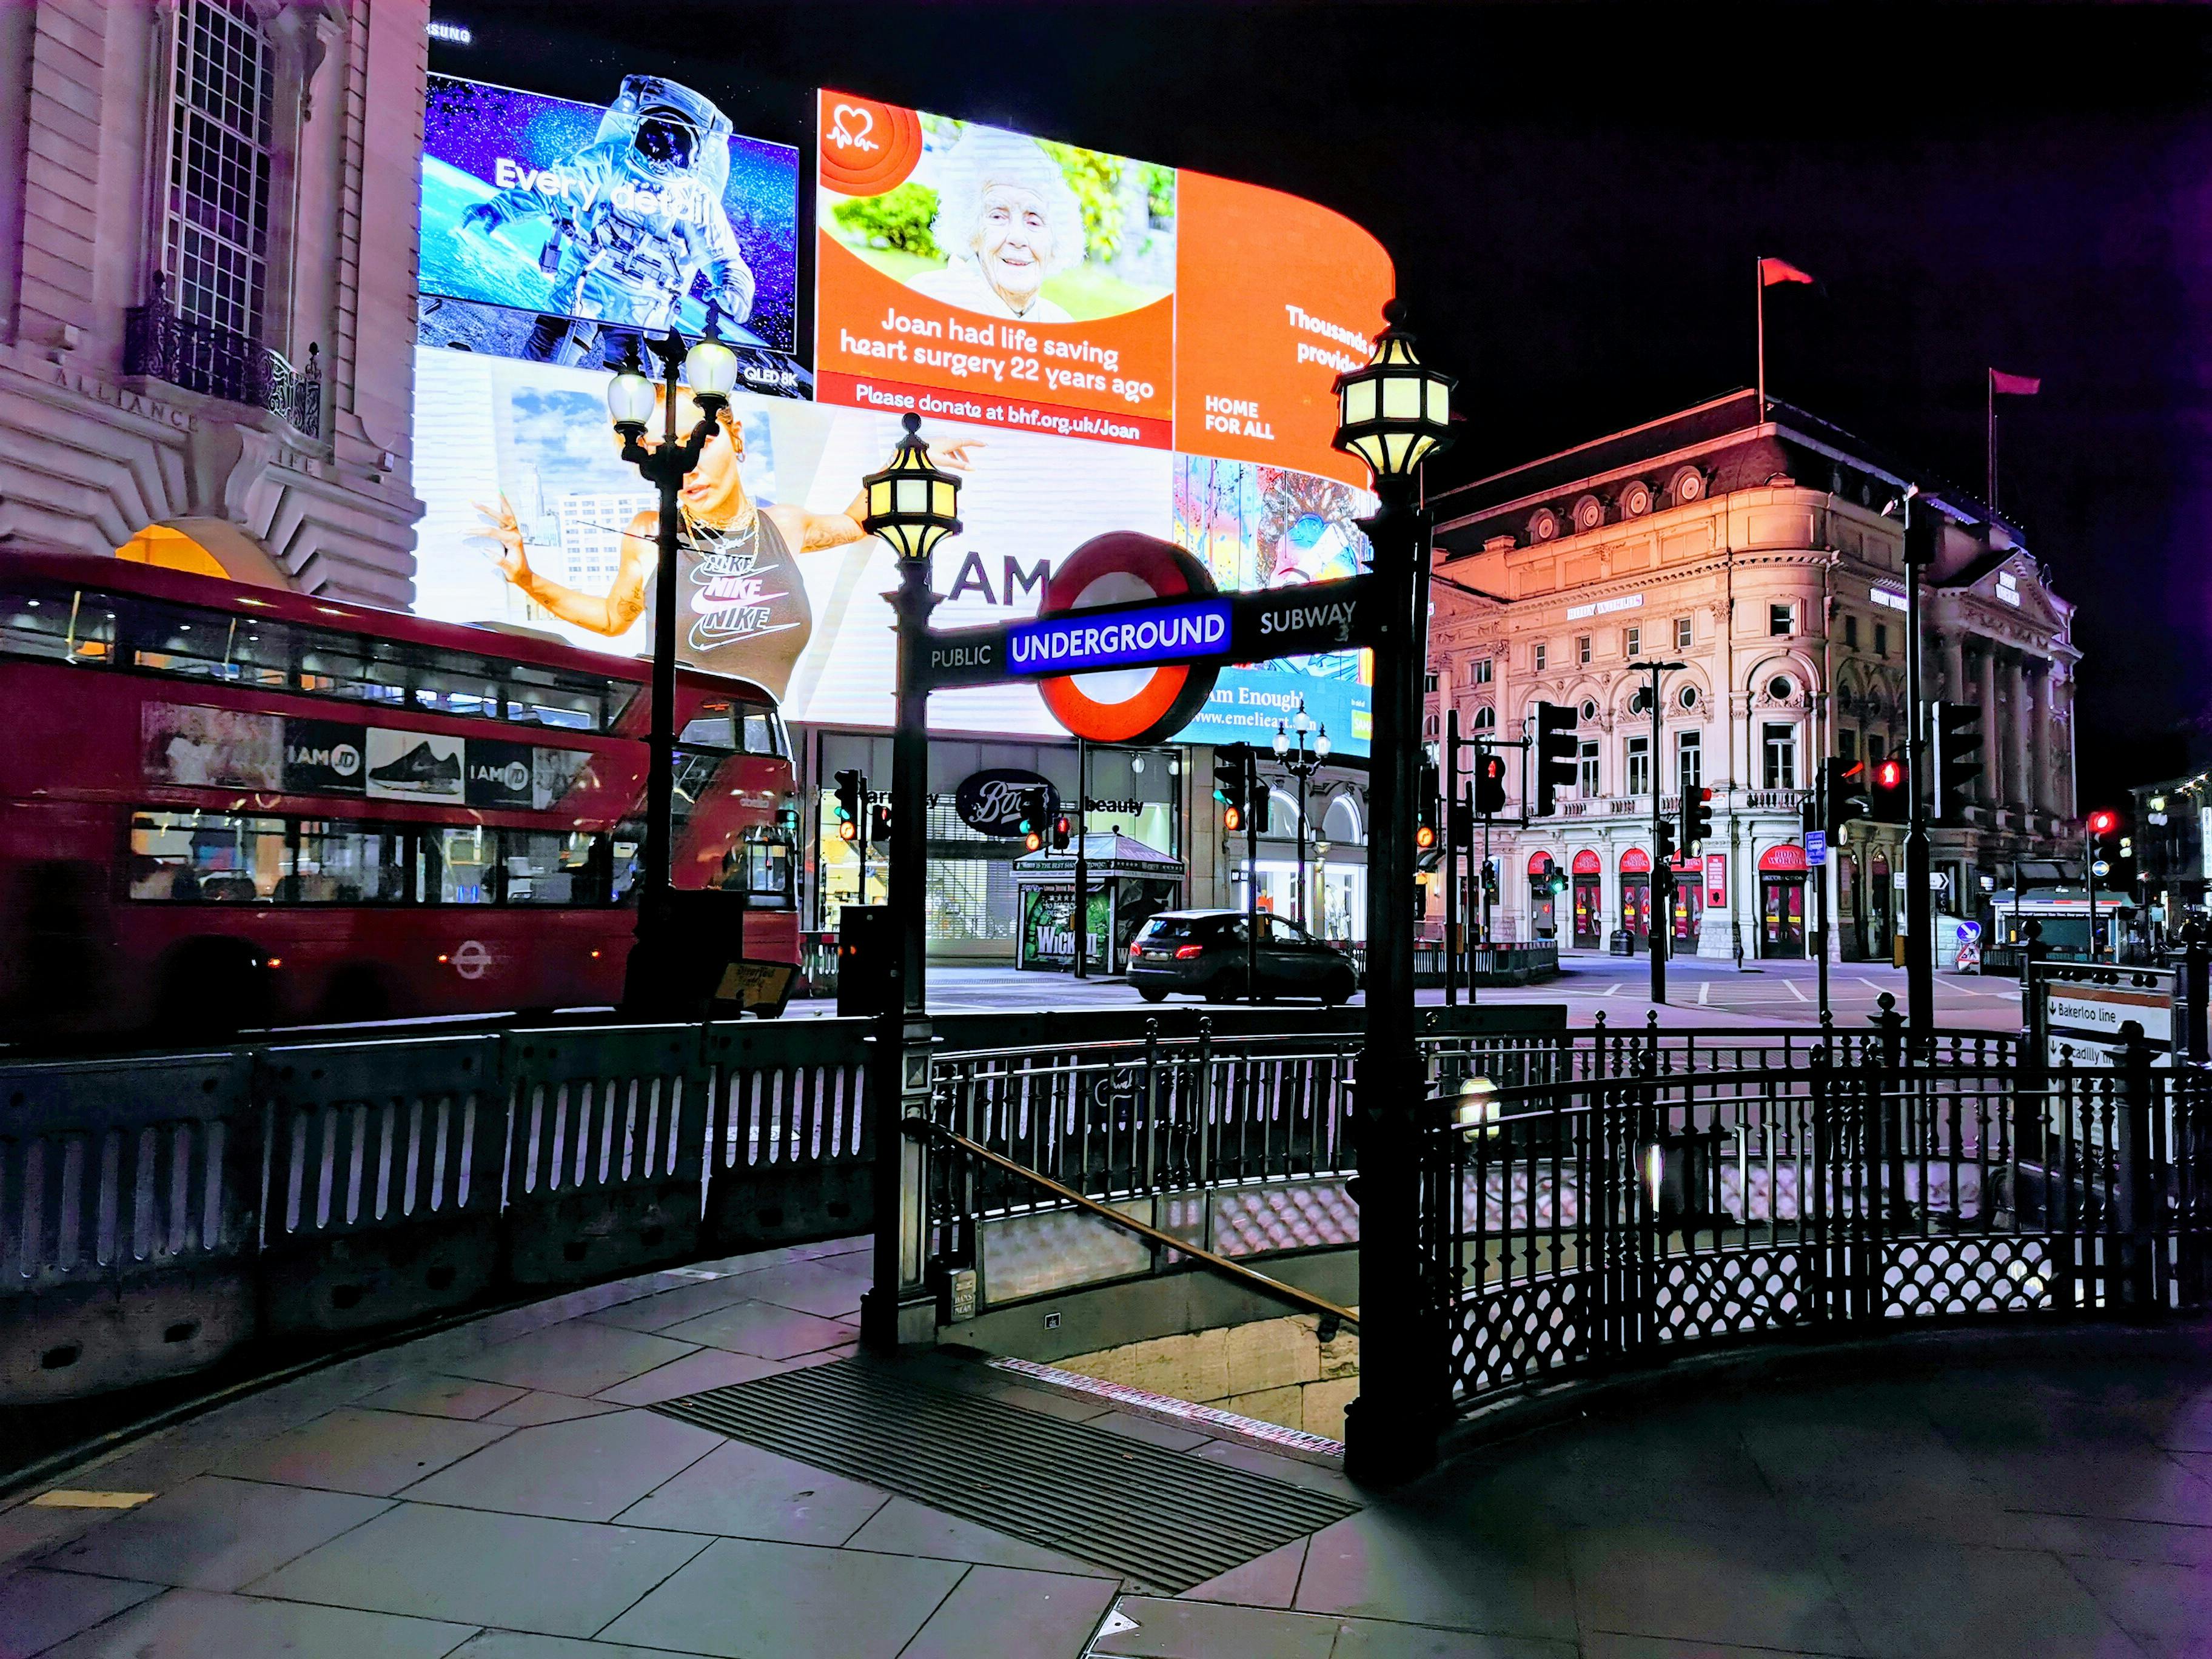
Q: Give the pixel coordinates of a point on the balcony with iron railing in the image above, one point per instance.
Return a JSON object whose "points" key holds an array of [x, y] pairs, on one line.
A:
{"points": [[220, 362]]}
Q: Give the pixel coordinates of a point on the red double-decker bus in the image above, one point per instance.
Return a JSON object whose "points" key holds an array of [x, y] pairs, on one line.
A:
{"points": [[225, 807]]}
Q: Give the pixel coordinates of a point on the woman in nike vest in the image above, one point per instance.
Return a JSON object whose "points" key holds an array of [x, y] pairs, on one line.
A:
{"points": [[742, 602]]}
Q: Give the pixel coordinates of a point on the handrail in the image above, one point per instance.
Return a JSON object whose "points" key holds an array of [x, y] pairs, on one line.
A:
{"points": [[920, 1128]]}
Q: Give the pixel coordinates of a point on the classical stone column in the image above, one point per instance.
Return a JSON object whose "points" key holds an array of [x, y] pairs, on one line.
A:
{"points": [[2022, 750], [2046, 763], [1994, 757]]}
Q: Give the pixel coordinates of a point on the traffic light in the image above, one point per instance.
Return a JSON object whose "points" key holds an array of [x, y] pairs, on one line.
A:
{"points": [[1555, 754], [1847, 789], [1549, 877], [1232, 818], [1462, 823], [1490, 880], [879, 825], [1060, 833], [1256, 809], [1233, 767], [851, 790], [1696, 815], [2103, 822], [1425, 836], [1923, 536], [1663, 854], [1037, 801], [1887, 800], [1489, 783], [1958, 757], [1425, 806]]}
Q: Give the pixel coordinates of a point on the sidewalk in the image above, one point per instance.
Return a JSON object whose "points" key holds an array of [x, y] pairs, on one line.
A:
{"points": [[501, 1492]]}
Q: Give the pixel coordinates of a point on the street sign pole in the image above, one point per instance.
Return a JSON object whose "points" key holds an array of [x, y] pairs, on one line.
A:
{"points": [[1919, 920], [1661, 930], [1452, 851]]}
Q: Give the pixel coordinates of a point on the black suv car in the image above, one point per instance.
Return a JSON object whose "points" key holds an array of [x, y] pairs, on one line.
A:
{"points": [[1203, 952]]}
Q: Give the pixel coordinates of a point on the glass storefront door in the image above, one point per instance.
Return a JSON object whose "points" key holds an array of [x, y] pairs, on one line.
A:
{"points": [[1781, 914], [1589, 922], [1635, 905]]}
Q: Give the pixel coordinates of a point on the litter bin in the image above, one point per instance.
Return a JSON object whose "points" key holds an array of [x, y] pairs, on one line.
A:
{"points": [[1622, 942]]}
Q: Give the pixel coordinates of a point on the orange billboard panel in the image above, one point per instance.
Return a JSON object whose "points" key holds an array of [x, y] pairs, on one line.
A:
{"points": [[1274, 297]]}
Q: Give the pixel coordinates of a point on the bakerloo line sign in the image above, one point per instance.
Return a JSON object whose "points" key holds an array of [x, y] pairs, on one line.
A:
{"points": [[1184, 632]]}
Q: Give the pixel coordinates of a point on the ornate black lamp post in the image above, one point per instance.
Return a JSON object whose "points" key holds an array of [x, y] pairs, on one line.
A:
{"points": [[1302, 767], [913, 506], [653, 979], [1394, 414]]}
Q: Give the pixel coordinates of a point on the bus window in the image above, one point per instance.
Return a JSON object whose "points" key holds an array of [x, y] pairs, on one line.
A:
{"points": [[761, 865], [712, 727], [763, 732], [347, 864], [470, 691], [553, 868], [330, 666], [540, 697], [457, 867], [60, 624], [207, 857]]}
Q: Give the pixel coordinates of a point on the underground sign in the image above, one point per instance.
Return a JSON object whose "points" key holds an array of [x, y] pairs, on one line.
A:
{"points": [[1125, 694]]}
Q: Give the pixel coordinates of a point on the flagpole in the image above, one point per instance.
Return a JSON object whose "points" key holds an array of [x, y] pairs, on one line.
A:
{"points": [[1990, 381], [1759, 289]]}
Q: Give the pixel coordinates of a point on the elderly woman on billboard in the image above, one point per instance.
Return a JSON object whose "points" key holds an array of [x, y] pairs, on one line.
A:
{"points": [[742, 602], [1007, 220]]}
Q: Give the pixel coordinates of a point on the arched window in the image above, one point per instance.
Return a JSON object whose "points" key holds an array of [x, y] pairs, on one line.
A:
{"points": [[1485, 719], [1340, 824]]}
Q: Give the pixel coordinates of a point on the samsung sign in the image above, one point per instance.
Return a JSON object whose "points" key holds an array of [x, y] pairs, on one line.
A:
{"points": [[1126, 639]]}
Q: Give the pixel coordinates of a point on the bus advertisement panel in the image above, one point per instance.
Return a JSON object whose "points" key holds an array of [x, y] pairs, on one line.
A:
{"points": [[556, 231], [1094, 343]]}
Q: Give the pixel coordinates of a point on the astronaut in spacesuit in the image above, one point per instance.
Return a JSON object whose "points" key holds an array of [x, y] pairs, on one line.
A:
{"points": [[637, 218]]}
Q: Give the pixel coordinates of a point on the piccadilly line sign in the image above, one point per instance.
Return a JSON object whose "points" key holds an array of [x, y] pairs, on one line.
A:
{"points": [[1339, 615]]}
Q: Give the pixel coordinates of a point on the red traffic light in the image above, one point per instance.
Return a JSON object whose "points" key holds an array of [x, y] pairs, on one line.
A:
{"points": [[1890, 775], [2103, 822]]}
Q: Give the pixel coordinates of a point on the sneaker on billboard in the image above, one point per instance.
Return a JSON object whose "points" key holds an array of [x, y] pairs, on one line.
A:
{"points": [[420, 768]]}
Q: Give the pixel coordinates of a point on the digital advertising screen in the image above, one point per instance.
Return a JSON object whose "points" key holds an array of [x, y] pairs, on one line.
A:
{"points": [[556, 231], [1094, 343], [1001, 284]]}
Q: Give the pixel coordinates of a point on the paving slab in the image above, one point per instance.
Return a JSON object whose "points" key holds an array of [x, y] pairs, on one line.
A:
{"points": [[1215, 1630], [1922, 1601], [1376, 1638], [539, 1407], [1265, 1581], [214, 1534], [27, 1530], [709, 1368], [1005, 1610], [39, 1609], [762, 1328], [519, 1572], [350, 1449], [1386, 1564], [576, 1356], [521, 1644], [749, 1599], [741, 1491], [443, 1396], [1667, 1577], [590, 1468], [655, 1313], [186, 1624]]}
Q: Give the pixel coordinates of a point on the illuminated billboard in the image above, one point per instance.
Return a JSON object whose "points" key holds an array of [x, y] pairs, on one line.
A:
{"points": [[997, 283], [557, 231], [1095, 343]]}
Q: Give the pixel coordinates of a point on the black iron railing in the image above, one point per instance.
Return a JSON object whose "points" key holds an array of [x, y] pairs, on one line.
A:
{"points": [[1579, 1225], [219, 362]]}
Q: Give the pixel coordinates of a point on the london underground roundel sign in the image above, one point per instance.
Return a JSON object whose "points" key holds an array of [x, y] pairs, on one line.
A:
{"points": [[1126, 705]]}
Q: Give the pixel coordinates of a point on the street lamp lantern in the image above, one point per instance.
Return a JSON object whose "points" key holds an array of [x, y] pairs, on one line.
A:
{"points": [[1303, 721], [1394, 414], [912, 504], [1321, 744], [711, 369], [630, 396], [1282, 739]]}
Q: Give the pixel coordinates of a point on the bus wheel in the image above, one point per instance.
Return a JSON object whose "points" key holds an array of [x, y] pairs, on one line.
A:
{"points": [[211, 987]]}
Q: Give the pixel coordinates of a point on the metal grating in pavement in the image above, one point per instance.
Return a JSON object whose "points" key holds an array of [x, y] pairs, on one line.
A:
{"points": [[1163, 1518]]}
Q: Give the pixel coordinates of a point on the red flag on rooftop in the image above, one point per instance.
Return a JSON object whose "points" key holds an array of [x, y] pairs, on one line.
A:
{"points": [[1771, 272], [2018, 385]]}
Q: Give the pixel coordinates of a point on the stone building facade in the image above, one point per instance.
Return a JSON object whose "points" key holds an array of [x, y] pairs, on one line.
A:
{"points": [[1756, 552], [208, 240]]}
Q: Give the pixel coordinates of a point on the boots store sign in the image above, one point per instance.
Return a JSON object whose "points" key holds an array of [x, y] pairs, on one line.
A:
{"points": [[197, 747]]}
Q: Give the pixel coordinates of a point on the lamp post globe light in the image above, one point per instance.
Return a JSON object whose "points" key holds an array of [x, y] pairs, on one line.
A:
{"points": [[1395, 413], [1302, 766], [913, 504], [653, 983]]}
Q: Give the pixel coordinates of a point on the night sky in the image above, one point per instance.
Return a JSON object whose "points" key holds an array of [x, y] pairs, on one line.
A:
{"points": [[1575, 196]]}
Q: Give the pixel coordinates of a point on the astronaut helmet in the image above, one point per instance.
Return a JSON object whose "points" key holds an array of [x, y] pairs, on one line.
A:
{"points": [[674, 131]]}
